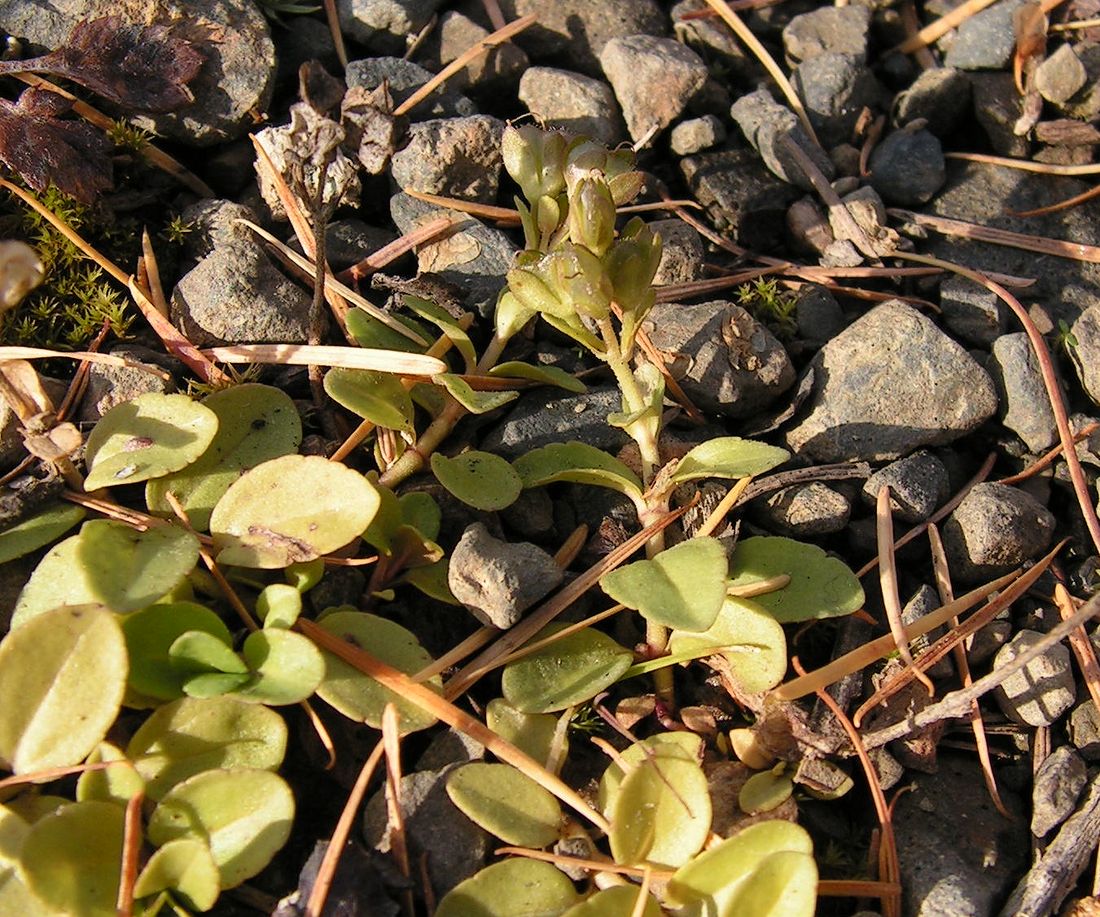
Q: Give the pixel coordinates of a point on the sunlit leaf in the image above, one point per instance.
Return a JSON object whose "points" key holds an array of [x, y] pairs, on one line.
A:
{"points": [[62, 675], [545, 375], [532, 733], [579, 463], [420, 510], [255, 423], [573, 669], [286, 667], [153, 435], [369, 332], [198, 652], [481, 479], [821, 586], [432, 581], [279, 605], [360, 697], [682, 587], [749, 638], [472, 400], [506, 802], [685, 745], [15, 897], [243, 815], [184, 867], [765, 791], [443, 320], [514, 888], [728, 457], [291, 509], [375, 396], [39, 530], [71, 859], [117, 783], [617, 901], [188, 736]]}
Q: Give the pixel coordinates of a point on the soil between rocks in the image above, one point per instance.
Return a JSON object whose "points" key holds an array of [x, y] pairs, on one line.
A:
{"points": [[913, 378]]}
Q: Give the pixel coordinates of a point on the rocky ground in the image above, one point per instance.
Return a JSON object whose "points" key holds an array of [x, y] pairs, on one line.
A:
{"points": [[909, 377]]}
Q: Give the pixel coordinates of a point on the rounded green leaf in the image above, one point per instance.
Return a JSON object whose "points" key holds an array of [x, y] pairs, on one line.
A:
{"points": [[360, 697], [714, 879], [72, 859], [15, 897], [618, 901], [821, 586], [514, 888], [128, 569], [215, 684], [532, 733], [39, 530], [62, 677], [375, 396], [682, 587], [192, 735], [661, 813], [243, 815], [198, 652], [570, 670], [784, 885], [480, 479], [751, 641], [151, 436], [57, 580], [184, 867], [545, 375], [291, 509], [151, 632], [419, 510], [578, 463], [765, 791], [286, 667], [687, 746], [255, 423], [507, 803], [117, 783], [728, 457], [279, 605]]}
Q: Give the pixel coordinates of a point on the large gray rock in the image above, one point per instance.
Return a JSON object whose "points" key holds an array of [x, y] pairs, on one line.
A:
{"points": [[908, 167], [726, 361], [888, 384], [653, 78], [986, 40], [455, 157], [496, 69], [573, 102], [1086, 355], [546, 416], [918, 484], [835, 89], [385, 26], [831, 29], [237, 76], [940, 96]]}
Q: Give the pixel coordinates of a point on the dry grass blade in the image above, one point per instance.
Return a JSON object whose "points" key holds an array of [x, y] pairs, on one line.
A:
{"points": [[1076, 251], [487, 43], [857, 888], [888, 581], [745, 35], [152, 274], [1026, 165], [977, 724], [483, 211], [147, 151], [958, 702], [1048, 459], [1069, 202], [585, 863], [514, 638], [131, 855], [51, 774], [173, 339], [333, 20], [1080, 643], [389, 253], [387, 361], [391, 742], [881, 647], [428, 700], [943, 25], [326, 872], [42, 353]]}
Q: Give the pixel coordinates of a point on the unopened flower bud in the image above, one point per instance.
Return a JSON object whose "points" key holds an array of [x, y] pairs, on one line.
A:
{"points": [[631, 264], [578, 278], [535, 159], [533, 293], [592, 215]]}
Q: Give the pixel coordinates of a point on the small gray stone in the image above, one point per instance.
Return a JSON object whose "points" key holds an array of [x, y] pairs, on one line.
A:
{"points": [[804, 510], [972, 312], [888, 384], [681, 252], [385, 26], [1027, 410], [212, 222], [1040, 692], [818, 315], [998, 106], [403, 78], [455, 157], [236, 295], [498, 580], [1084, 731], [958, 856], [653, 78], [1059, 77], [696, 134], [573, 102], [924, 601], [577, 31], [940, 97], [769, 126], [714, 41], [487, 73], [983, 644], [986, 40], [112, 385], [1085, 106], [725, 360], [349, 241], [1086, 355], [546, 416], [908, 167], [740, 195], [831, 29], [994, 530], [835, 89], [1058, 783], [918, 484], [435, 829]]}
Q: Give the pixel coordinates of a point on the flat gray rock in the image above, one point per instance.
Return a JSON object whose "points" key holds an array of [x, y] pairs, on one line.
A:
{"points": [[546, 416], [1041, 691], [831, 29], [888, 384], [769, 127], [454, 157], [1058, 783], [1027, 410], [918, 484], [573, 102]]}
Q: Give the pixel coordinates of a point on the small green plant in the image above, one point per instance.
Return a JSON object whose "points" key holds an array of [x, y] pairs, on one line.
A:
{"points": [[1064, 338], [770, 304], [126, 136]]}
